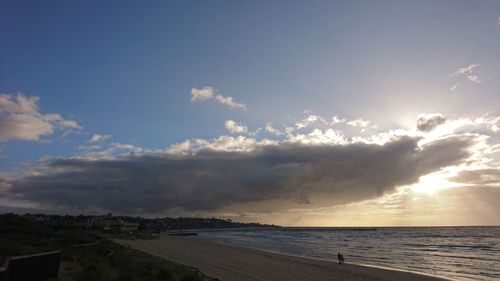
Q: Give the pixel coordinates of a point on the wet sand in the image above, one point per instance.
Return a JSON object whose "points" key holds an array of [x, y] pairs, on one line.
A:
{"points": [[229, 263]]}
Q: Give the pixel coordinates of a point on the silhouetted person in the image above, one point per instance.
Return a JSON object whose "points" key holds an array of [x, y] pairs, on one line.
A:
{"points": [[339, 257], [342, 258]]}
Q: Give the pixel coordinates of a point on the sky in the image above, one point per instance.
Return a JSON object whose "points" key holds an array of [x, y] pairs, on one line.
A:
{"points": [[314, 113]]}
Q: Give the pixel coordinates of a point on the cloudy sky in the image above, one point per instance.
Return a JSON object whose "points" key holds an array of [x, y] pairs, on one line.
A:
{"points": [[326, 113]]}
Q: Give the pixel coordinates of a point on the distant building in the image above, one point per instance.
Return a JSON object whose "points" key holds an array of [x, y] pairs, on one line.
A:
{"points": [[128, 226], [106, 223], [113, 223]]}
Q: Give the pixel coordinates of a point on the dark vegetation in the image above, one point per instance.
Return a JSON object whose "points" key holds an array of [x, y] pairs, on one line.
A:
{"points": [[147, 225], [105, 260]]}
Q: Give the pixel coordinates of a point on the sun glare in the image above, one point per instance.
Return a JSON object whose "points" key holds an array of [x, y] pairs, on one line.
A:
{"points": [[432, 183]]}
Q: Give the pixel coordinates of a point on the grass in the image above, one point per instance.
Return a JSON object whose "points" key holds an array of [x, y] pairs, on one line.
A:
{"points": [[105, 261], [110, 261]]}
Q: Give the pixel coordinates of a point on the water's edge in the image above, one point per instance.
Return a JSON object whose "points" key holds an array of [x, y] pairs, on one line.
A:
{"points": [[326, 260], [451, 253]]}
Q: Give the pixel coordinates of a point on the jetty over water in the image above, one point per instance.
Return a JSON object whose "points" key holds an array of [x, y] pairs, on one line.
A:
{"points": [[193, 232]]}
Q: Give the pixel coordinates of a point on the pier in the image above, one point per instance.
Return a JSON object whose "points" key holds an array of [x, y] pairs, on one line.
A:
{"points": [[194, 232]]}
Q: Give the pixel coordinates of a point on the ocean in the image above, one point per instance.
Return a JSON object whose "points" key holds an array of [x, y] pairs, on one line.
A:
{"points": [[458, 253]]}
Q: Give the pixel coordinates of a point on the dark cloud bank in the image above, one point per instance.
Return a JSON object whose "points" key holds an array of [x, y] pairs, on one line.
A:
{"points": [[319, 175]]}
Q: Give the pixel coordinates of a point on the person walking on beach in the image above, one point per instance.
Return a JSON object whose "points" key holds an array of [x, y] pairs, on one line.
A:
{"points": [[342, 258], [339, 257]]}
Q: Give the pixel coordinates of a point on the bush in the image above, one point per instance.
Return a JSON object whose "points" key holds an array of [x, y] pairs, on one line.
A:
{"points": [[106, 261], [164, 274], [91, 273], [192, 276]]}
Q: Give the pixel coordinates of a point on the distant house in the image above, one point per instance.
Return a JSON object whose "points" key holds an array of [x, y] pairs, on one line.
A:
{"points": [[106, 223], [128, 226], [113, 223]]}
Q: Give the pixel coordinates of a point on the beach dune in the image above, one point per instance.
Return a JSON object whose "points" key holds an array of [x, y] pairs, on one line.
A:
{"points": [[229, 263]]}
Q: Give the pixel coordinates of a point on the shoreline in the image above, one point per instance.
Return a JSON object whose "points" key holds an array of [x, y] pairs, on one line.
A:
{"points": [[336, 262], [233, 263]]}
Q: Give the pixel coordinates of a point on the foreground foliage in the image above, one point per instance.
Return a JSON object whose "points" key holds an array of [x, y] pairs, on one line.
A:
{"points": [[98, 259]]}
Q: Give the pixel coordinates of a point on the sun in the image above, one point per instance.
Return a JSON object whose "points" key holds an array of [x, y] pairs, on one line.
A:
{"points": [[432, 183]]}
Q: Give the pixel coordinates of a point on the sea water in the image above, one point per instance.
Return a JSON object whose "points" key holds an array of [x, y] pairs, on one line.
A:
{"points": [[458, 253]]}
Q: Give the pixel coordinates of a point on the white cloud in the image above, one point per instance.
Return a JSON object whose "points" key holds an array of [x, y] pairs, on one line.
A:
{"points": [[20, 104], [256, 132], [359, 123], [127, 147], [317, 136], [230, 102], [465, 70], [337, 120], [221, 143], [227, 143], [490, 122], [111, 151], [474, 78], [99, 138], [234, 127], [454, 87], [21, 119], [202, 94], [270, 129], [469, 73], [209, 93], [182, 148], [93, 147], [309, 120]]}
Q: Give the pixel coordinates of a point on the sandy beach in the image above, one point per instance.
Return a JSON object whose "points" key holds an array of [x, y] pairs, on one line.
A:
{"points": [[229, 263]]}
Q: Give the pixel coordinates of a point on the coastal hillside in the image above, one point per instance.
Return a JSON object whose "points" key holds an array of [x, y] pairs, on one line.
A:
{"points": [[87, 255]]}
